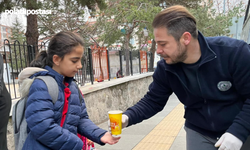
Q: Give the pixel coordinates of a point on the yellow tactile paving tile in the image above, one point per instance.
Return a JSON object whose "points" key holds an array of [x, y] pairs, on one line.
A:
{"points": [[151, 146], [164, 134], [172, 131], [159, 139]]}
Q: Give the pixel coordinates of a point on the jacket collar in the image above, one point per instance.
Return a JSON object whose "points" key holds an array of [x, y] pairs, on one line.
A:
{"points": [[31, 72], [207, 54]]}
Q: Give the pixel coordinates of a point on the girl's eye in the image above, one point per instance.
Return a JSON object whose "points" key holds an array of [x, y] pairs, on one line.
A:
{"points": [[74, 62]]}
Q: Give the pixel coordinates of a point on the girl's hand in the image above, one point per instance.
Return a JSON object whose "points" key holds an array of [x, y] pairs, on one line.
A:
{"points": [[89, 142], [108, 138]]}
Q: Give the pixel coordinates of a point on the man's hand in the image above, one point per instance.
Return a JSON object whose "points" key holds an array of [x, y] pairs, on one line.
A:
{"points": [[228, 142], [108, 138], [124, 121]]}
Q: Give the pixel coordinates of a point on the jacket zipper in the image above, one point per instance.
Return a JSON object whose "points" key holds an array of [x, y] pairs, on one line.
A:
{"points": [[65, 117], [205, 101]]}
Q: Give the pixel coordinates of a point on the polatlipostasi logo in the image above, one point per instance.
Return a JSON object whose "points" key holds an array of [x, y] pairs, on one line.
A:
{"points": [[27, 11]]}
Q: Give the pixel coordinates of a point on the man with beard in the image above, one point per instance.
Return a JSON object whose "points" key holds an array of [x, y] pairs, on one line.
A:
{"points": [[209, 75]]}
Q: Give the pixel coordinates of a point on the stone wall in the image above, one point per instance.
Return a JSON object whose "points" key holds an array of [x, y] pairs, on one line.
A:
{"points": [[117, 94]]}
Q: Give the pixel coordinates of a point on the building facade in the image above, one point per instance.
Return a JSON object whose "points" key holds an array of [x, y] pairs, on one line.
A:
{"points": [[246, 25], [5, 33]]}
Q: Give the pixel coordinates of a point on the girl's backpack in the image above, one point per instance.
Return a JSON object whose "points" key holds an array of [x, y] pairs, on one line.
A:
{"points": [[18, 112]]}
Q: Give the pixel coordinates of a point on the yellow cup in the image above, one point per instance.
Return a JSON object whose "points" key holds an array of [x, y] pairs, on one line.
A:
{"points": [[115, 117]]}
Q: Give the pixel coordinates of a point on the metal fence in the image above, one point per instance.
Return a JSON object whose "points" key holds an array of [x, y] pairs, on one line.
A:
{"points": [[98, 64]]}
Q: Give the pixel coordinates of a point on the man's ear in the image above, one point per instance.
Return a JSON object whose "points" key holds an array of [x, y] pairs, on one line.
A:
{"points": [[56, 60], [186, 37]]}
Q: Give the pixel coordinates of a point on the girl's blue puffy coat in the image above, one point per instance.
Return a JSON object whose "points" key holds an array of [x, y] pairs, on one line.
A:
{"points": [[44, 118]]}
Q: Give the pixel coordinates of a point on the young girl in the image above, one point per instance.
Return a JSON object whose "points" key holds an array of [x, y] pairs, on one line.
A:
{"points": [[55, 126]]}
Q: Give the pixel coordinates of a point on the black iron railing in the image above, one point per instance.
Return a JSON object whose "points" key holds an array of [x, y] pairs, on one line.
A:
{"points": [[18, 55]]}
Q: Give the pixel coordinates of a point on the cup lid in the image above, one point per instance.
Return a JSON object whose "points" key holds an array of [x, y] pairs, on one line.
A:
{"points": [[115, 112]]}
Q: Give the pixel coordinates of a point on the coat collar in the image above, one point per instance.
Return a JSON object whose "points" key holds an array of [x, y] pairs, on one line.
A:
{"points": [[60, 79]]}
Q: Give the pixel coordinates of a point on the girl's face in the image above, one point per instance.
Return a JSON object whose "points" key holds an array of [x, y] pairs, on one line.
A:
{"points": [[70, 64]]}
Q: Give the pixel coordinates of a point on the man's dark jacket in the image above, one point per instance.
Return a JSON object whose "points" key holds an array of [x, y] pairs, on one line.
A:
{"points": [[223, 77]]}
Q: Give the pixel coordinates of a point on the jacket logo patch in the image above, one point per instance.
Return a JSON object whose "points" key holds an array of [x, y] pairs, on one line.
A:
{"points": [[224, 85]]}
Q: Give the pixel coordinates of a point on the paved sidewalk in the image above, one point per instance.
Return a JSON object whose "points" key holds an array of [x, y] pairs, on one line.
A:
{"points": [[164, 131]]}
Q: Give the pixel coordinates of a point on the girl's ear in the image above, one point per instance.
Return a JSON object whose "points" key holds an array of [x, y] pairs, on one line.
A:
{"points": [[56, 60]]}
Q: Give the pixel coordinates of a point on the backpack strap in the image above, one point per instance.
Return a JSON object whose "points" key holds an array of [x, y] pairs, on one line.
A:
{"points": [[52, 86]]}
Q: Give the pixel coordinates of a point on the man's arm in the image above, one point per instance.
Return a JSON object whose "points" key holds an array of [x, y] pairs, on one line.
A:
{"points": [[154, 101], [241, 75]]}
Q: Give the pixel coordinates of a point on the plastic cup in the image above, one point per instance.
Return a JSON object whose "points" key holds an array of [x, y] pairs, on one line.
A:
{"points": [[115, 117]]}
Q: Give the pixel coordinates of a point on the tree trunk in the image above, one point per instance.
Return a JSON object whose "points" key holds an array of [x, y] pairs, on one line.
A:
{"points": [[32, 29], [152, 50], [127, 53]]}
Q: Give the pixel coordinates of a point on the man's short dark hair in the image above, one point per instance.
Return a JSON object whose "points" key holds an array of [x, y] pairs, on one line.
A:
{"points": [[177, 19]]}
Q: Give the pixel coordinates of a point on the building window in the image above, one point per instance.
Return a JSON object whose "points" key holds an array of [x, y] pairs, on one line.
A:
{"points": [[3, 33], [4, 29], [9, 31]]}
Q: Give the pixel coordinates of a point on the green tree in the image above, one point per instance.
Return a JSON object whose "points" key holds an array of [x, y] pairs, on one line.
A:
{"points": [[18, 59], [124, 19], [67, 17], [186, 3], [32, 33], [211, 21]]}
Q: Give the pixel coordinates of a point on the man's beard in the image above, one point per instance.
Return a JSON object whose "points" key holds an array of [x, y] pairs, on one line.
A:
{"points": [[179, 56]]}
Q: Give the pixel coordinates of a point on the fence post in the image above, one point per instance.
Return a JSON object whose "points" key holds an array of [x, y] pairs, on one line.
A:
{"points": [[108, 64], [151, 62], [24, 53], [12, 70], [15, 50], [120, 55], [30, 54], [148, 57], [6, 61], [139, 56], [131, 64], [20, 56], [34, 52], [90, 66]]}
